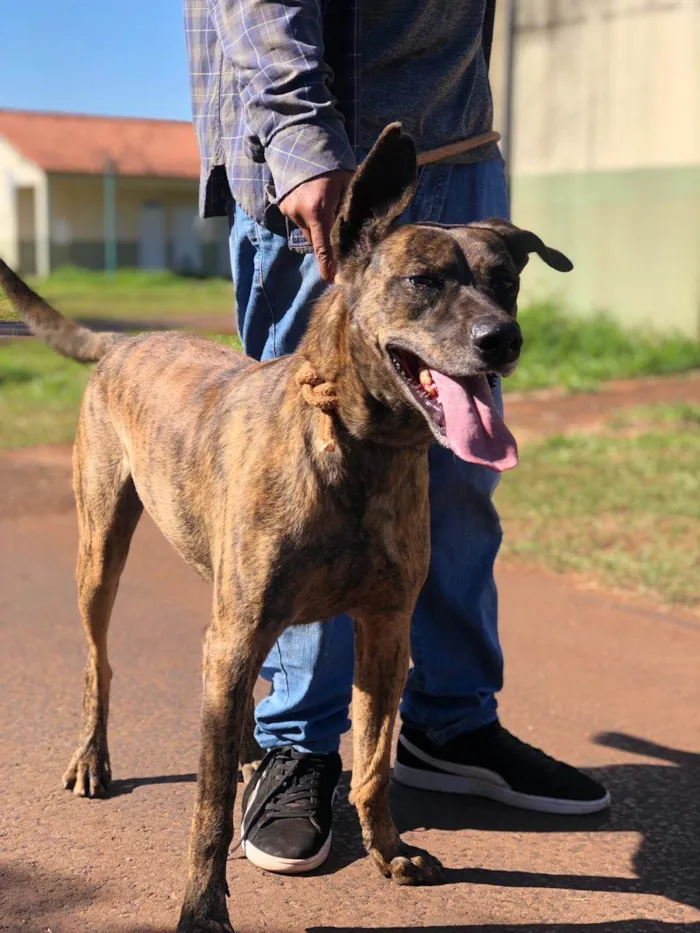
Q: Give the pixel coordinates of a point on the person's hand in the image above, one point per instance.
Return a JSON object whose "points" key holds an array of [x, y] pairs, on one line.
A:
{"points": [[313, 207]]}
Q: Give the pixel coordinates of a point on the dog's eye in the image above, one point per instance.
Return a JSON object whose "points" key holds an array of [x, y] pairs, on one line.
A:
{"points": [[504, 290], [426, 280]]}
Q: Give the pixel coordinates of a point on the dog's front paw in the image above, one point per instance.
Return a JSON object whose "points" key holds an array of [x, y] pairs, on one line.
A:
{"points": [[204, 926], [409, 865], [194, 922], [204, 910], [89, 772]]}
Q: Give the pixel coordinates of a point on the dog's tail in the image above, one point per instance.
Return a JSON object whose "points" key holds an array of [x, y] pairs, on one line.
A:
{"points": [[60, 333]]}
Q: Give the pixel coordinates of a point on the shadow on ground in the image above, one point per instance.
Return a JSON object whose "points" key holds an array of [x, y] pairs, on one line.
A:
{"points": [[26, 893], [660, 802], [616, 926], [129, 785]]}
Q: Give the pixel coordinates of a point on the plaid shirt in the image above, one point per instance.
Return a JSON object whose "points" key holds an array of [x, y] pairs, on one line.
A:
{"points": [[274, 97]]}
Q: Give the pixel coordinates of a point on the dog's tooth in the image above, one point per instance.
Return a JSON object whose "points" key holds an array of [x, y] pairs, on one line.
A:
{"points": [[426, 380]]}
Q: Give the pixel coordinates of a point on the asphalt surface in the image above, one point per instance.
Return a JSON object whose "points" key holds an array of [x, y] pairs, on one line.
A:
{"points": [[610, 686]]}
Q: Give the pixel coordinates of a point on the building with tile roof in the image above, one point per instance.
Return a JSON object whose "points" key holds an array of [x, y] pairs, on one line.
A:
{"points": [[93, 191]]}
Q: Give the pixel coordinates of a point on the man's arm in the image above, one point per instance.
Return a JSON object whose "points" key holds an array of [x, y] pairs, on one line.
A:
{"points": [[276, 47]]}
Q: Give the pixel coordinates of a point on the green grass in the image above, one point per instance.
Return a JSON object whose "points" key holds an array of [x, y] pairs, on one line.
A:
{"points": [[578, 354], [40, 395], [132, 295], [622, 507], [40, 392]]}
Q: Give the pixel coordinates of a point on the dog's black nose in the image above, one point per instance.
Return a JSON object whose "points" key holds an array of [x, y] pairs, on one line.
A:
{"points": [[499, 343]]}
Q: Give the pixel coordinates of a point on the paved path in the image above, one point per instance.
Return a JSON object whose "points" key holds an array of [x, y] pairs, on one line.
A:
{"points": [[610, 687], [200, 323]]}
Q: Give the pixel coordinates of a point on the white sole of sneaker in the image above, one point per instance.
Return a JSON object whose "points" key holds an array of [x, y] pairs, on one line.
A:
{"points": [[286, 866], [480, 782]]}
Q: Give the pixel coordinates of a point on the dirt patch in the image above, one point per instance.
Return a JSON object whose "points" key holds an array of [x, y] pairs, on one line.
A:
{"points": [[533, 415], [35, 481]]}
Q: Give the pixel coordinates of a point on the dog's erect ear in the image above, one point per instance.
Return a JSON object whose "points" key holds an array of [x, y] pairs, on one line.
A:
{"points": [[520, 243], [380, 192]]}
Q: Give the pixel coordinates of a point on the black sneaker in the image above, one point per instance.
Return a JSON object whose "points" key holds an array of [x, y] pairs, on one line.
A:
{"points": [[287, 811], [490, 762]]}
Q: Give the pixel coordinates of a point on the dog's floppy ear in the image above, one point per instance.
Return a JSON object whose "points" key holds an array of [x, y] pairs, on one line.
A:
{"points": [[520, 243], [380, 192]]}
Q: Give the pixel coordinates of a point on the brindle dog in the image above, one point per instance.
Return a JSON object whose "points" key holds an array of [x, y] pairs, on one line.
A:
{"points": [[298, 487]]}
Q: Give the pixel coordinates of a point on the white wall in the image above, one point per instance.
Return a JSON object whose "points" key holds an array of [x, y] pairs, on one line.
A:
{"points": [[603, 84], [606, 152], [15, 173]]}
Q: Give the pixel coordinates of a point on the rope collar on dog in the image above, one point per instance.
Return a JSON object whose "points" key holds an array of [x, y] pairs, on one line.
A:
{"points": [[322, 395]]}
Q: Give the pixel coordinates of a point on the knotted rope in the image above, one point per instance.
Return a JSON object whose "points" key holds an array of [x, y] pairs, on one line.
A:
{"points": [[319, 394]]}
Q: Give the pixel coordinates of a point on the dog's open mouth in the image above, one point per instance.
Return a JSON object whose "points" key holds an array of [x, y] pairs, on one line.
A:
{"points": [[462, 412]]}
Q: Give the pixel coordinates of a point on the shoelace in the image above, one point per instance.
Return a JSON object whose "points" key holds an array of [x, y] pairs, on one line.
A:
{"points": [[298, 793], [298, 782]]}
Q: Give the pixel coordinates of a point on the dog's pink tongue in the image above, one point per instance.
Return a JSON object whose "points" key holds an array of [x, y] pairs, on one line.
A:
{"points": [[475, 430]]}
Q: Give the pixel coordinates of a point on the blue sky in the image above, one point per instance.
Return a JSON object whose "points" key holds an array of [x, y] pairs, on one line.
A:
{"points": [[115, 57]]}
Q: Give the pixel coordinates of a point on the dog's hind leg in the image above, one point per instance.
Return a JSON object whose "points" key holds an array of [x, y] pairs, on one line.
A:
{"points": [[108, 511], [382, 646]]}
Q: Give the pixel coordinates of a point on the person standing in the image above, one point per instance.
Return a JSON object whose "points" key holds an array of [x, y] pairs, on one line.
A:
{"points": [[288, 96]]}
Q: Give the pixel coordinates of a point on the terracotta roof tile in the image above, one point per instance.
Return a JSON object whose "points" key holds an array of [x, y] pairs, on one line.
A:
{"points": [[72, 143]]}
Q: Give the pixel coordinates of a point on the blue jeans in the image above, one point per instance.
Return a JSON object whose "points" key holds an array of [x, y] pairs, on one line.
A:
{"points": [[457, 660]]}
